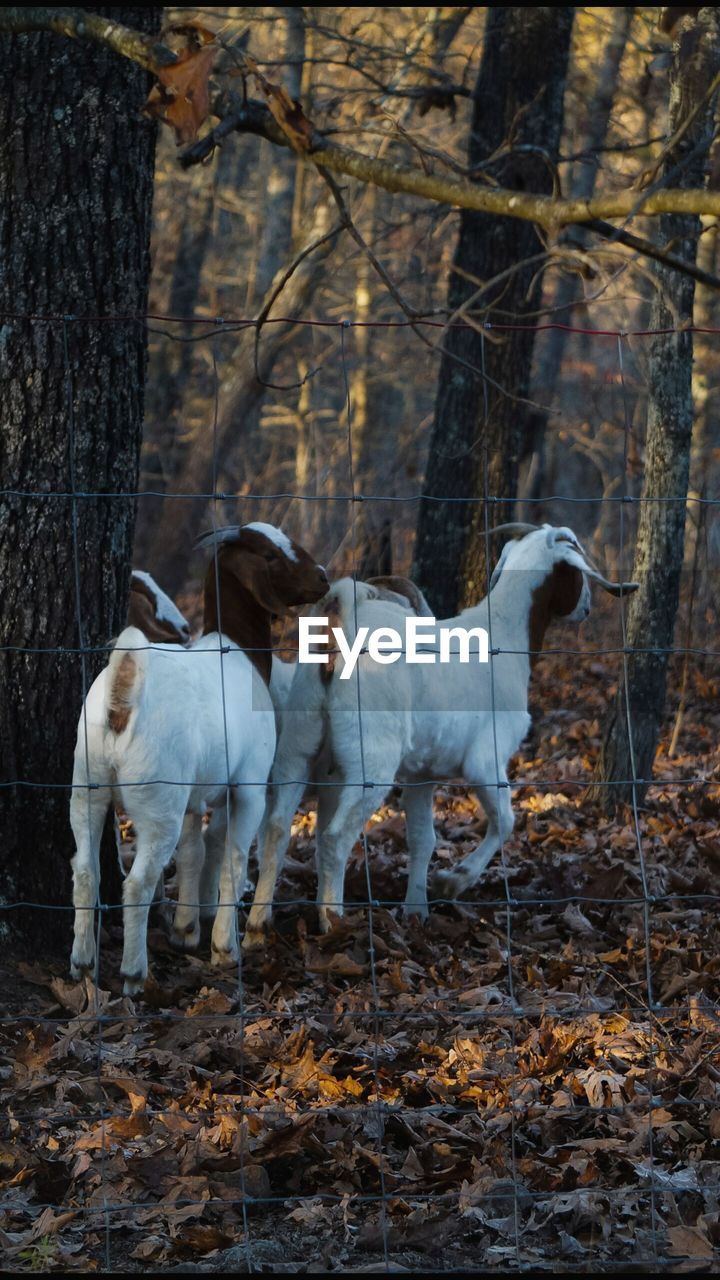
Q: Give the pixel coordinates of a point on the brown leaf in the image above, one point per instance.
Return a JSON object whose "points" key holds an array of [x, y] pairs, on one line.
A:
{"points": [[203, 1238], [688, 1242], [149, 1248], [602, 1087], [288, 113], [209, 1001], [182, 96], [49, 1223], [340, 964]]}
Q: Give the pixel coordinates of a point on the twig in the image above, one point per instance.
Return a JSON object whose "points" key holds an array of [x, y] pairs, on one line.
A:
{"points": [[270, 302], [650, 250], [348, 224]]}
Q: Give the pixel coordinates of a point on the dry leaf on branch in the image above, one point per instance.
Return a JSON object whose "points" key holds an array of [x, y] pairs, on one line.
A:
{"points": [[181, 98], [288, 113]]}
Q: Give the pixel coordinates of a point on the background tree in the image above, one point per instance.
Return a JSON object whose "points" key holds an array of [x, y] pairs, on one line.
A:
{"points": [[514, 141], [76, 169], [640, 701]]}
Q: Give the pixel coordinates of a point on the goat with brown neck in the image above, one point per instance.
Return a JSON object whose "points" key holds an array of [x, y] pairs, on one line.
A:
{"points": [[253, 580], [423, 723], [200, 720]]}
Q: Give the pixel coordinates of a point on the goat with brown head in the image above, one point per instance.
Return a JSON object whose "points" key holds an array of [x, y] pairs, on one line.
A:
{"points": [[560, 567], [200, 720], [256, 574]]}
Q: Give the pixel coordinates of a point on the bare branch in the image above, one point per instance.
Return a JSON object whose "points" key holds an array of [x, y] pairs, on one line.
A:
{"points": [[547, 211], [650, 250], [253, 117], [275, 290], [347, 222], [79, 24]]}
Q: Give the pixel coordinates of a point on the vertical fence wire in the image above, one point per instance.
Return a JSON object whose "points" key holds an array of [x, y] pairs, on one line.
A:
{"points": [[98, 908], [367, 787], [499, 787], [634, 793], [229, 860]]}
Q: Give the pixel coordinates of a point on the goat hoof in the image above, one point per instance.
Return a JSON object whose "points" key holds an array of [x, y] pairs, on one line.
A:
{"points": [[447, 885], [224, 959], [187, 939], [134, 983], [254, 940], [416, 910], [79, 969]]}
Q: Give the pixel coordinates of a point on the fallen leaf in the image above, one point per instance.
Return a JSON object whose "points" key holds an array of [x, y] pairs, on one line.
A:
{"points": [[689, 1242]]}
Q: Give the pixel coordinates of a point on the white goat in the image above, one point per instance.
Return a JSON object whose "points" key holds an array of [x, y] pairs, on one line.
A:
{"points": [[417, 725], [204, 893], [305, 741], [166, 732]]}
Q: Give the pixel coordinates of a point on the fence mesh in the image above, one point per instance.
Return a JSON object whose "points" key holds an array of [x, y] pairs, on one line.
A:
{"points": [[355, 1086]]}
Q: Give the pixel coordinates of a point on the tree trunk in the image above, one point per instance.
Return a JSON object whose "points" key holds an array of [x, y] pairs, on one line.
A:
{"points": [[661, 533], [279, 182], [517, 106], [76, 169], [581, 186]]}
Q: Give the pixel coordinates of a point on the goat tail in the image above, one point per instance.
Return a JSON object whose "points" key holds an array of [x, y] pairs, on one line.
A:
{"points": [[126, 676]]}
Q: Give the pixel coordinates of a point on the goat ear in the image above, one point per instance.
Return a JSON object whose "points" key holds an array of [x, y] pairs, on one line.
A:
{"points": [[253, 572], [612, 588], [499, 566]]}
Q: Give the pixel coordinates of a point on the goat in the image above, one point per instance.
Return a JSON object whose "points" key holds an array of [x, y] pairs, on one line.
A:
{"points": [[168, 732], [186, 932], [154, 613], [305, 747], [415, 725]]}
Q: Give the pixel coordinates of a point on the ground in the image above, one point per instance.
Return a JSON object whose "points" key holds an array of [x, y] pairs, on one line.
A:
{"points": [[492, 1090]]}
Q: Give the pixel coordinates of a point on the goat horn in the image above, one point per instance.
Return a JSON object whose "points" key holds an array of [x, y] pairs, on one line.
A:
{"points": [[217, 536], [516, 526]]}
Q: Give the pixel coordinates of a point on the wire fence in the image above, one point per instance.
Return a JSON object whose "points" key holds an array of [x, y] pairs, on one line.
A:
{"points": [[495, 1215]]}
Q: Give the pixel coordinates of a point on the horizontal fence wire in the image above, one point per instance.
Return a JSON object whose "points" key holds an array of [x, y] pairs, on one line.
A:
{"points": [[441, 1010]]}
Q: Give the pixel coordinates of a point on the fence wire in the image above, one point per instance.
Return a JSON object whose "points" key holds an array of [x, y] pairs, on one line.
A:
{"points": [[507, 1016]]}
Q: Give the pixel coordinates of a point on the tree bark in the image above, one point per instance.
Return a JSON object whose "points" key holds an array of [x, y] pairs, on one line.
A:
{"points": [[517, 106], [661, 532], [279, 185], [76, 170]]}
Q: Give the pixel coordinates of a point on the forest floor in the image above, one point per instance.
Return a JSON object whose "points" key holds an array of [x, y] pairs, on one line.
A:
{"points": [[492, 1090]]}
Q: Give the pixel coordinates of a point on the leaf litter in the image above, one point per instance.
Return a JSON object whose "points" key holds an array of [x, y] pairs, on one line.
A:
{"points": [[490, 1089]]}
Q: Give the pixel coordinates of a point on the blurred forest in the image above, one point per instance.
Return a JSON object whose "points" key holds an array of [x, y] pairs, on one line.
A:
{"points": [[397, 82]]}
